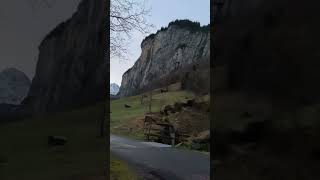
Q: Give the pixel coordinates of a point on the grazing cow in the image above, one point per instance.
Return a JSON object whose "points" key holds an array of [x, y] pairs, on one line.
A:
{"points": [[56, 140], [164, 90], [127, 106]]}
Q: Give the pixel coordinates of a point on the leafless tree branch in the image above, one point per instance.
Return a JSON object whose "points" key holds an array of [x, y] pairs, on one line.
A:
{"points": [[126, 16]]}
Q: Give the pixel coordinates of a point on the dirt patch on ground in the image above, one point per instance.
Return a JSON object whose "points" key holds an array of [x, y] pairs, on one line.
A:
{"points": [[137, 123], [132, 127], [190, 122]]}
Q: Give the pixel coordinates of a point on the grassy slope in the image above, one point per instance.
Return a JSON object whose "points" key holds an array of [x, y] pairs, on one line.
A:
{"points": [[120, 116], [26, 155]]}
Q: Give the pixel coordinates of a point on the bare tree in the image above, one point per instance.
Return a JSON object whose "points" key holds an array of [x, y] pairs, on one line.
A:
{"points": [[126, 16]]}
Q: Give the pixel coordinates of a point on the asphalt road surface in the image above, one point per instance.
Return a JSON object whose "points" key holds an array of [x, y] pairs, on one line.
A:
{"points": [[161, 161]]}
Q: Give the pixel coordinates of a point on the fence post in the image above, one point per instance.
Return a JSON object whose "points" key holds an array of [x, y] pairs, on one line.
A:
{"points": [[172, 136]]}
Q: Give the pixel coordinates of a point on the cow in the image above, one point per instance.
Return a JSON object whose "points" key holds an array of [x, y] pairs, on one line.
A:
{"points": [[163, 90], [56, 140]]}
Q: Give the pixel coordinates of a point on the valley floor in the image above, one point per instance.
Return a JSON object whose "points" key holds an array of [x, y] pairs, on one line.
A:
{"points": [[25, 154]]}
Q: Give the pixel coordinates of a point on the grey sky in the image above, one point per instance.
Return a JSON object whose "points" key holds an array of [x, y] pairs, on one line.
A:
{"points": [[24, 23], [162, 12]]}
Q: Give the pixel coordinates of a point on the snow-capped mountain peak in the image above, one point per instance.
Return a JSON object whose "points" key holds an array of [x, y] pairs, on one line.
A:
{"points": [[14, 86], [114, 88]]}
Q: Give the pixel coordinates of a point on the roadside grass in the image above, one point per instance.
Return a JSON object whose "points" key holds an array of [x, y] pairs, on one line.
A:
{"points": [[25, 154], [189, 148], [121, 116], [119, 170]]}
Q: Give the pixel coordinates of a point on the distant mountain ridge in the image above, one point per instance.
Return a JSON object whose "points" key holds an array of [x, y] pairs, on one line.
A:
{"points": [[114, 88], [14, 86]]}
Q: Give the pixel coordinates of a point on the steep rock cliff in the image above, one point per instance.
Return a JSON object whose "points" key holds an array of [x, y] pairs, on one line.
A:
{"points": [[266, 63], [71, 69], [269, 47], [169, 50]]}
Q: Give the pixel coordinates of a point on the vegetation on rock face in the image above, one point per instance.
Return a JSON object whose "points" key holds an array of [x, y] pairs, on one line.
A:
{"points": [[185, 23]]}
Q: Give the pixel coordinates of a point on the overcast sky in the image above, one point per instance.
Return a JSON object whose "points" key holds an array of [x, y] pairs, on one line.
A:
{"points": [[23, 24], [162, 12]]}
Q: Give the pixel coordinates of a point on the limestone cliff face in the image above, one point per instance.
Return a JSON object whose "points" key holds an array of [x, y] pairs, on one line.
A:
{"points": [[265, 47], [71, 69], [165, 52], [266, 54]]}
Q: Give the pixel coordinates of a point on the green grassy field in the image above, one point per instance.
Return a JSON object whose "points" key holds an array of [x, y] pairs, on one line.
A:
{"points": [[24, 153], [119, 170], [121, 116]]}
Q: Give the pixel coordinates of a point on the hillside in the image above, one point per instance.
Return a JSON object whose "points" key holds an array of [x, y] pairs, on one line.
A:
{"points": [[25, 153], [179, 48], [121, 118], [191, 121]]}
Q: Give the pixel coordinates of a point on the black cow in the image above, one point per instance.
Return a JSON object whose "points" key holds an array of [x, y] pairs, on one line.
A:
{"points": [[163, 90], [56, 140]]}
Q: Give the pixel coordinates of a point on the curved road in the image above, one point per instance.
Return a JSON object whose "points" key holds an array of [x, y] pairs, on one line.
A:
{"points": [[160, 160]]}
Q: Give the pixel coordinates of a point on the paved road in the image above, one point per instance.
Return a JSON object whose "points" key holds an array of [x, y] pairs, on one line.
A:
{"points": [[161, 160]]}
